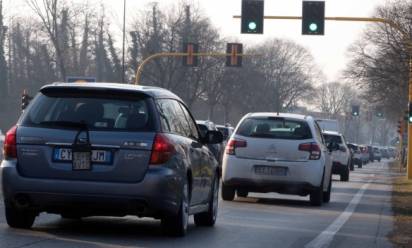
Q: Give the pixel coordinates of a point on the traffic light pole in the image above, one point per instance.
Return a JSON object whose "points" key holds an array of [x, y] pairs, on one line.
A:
{"points": [[164, 55]]}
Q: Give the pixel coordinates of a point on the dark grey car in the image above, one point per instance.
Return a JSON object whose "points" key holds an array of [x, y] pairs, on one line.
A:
{"points": [[109, 149]]}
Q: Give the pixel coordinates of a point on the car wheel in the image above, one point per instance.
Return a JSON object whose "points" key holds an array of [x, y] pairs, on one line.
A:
{"points": [[177, 225], [228, 193], [352, 166], [316, 196], [344, 177], [209, 218], [360, 165], [326, 195], [241, 193], [18, 218]]}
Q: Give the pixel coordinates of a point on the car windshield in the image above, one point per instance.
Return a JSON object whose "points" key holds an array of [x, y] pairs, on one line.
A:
{"points": [[332, 139], [95, 112], [273, 127]]}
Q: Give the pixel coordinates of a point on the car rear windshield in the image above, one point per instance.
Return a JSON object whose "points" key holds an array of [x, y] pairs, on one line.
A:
{"points": [[332, 139], [224, 131], [96, 110], [275, 127]]}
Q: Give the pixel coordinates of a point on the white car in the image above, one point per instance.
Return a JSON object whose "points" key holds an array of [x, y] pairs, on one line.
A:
{"points": [[341, 159], [283, 153]]}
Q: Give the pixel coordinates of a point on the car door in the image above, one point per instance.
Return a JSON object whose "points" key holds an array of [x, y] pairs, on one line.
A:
{"points": [[206, 157], [326, 152], [173, 120]]}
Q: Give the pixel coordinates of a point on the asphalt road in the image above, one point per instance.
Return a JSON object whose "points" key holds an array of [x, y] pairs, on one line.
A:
{"points": [[358, 215]]}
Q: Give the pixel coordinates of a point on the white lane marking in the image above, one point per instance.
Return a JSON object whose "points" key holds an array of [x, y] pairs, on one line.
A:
{"points": [[325, 238]]}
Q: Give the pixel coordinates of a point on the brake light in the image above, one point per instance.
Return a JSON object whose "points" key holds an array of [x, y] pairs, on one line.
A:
{"points": [[10, 144], [162, 150], [233, 144], [312, 148]]}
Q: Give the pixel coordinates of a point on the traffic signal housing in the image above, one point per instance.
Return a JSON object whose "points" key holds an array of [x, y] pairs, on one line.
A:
{"points": [[313, 18], [400, 126], [410, 113], [190, 60], [355, 110], [252, 16], [234, 49], [25, 100]]}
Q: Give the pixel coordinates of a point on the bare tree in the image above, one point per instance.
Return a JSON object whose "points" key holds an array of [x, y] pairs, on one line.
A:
{"points": [[334, 98]]}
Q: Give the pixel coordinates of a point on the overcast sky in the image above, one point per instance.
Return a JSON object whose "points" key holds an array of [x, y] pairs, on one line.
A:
{"points": [[329, 51]]}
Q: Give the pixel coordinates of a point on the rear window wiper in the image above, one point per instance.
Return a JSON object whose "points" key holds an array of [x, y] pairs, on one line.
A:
{"points": [[67, 124]]}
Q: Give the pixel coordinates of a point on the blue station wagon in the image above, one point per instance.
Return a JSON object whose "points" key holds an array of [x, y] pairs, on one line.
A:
{"points": [[104, 149]]}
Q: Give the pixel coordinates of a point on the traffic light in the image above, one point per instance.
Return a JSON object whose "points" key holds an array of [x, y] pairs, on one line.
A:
{"points": [[252, 16], [355, 110], [313, 18], [400, 126], [379, 115], [410, 113], [234, 49], [25, 100], [190, 59]]}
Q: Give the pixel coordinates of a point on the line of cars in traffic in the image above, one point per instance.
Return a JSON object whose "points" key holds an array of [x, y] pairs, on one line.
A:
{"points": [[102, 149]]}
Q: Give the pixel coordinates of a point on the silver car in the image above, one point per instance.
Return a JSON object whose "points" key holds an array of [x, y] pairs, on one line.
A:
{"points": [[109, 149], [283, 153]]}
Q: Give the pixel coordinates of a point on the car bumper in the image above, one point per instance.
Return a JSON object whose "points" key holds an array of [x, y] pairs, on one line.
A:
{"points": [[240, 171], [338, 168], [158, 194]]}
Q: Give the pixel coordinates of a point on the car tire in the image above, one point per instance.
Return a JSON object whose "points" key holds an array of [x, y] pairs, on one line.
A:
{"points": [[360, 165], [316, 196], [351, 166], [326, 195], [228, 193], [19, 218], [177, 225], [344, 177], [209, 218], [242, 193]]}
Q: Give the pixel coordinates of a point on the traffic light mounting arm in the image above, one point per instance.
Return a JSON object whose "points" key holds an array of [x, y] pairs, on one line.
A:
{"points": [[159, 55], [345, 19]]}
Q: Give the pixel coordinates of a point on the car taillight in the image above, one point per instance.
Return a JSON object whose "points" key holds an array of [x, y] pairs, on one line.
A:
{"points": [[10, 144], [233, 144], [312, 148], [162, 150]]}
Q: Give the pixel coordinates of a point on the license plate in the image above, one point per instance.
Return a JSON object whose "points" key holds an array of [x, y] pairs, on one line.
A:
{"points": [[81, 160], [271, 170], [97, 156]]}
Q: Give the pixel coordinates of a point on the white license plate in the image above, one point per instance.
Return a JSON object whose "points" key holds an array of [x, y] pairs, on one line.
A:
{"points": [[65, 155], [271, 170]]}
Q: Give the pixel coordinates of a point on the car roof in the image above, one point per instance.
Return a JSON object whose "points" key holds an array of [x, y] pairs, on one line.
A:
{"points": [[284, 115], [151, 91]]}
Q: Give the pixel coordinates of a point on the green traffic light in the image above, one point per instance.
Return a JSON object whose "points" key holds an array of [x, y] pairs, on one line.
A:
{"points": [[410, 119], [313, 27], [252, 26]]}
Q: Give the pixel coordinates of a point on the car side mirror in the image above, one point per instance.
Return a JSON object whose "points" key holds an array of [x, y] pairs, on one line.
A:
{"points": [[213, 137]]}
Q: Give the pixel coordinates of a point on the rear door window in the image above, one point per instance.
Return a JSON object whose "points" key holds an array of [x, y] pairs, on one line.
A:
{"points": [[275, 127], [98, 111], [332, 139], [173, 118]]}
